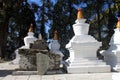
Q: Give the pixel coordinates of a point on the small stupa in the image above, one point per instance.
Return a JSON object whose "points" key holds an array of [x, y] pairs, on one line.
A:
{"points": [[83, 49], [30, 37], [112, 55], [54, 46], [27, 40]]}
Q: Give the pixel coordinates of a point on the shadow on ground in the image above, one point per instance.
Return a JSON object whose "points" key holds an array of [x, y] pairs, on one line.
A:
{"points": [[4, 73]]}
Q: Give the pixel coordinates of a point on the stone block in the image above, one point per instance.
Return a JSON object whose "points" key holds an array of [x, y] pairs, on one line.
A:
{"points": [[39, 44], [42, 63]]}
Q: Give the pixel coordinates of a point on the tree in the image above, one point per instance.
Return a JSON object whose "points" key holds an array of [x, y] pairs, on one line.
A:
{"points": [[4, 28], [20, 13], [17, 15]]}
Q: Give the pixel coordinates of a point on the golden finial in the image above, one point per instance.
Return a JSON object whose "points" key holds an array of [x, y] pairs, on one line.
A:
{"points": [[31, 28], [118, 23], [55, 36], [79, 14]]}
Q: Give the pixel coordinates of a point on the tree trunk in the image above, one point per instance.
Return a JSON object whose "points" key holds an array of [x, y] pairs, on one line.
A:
{"points": [[98, 21], [3, 34], [3, 38], [42, 29]]}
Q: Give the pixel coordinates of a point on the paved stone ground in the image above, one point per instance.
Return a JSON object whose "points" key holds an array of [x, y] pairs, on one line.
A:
{"points": [[6, 74], [6, 69], [98, 76]]}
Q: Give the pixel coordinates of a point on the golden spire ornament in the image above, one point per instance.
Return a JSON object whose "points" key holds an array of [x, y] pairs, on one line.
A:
{"points": [[79, 14], [31, 28], [118, 23], [55, 36]]}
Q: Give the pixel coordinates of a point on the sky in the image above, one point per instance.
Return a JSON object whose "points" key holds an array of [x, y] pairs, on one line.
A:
{"points": [[35, 2], [38, 2]]}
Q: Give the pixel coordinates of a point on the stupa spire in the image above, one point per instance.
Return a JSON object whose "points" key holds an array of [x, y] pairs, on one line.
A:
{"points": [[118, 23], [31, 28], [55, 36], [79, 14]]}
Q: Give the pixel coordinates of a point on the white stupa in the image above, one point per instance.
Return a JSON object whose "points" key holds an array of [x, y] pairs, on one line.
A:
{"points": [[54, 46], [83, 48], [30, 37], [27, 40], [112, 55]]}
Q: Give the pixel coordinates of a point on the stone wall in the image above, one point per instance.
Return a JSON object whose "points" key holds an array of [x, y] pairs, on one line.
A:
{"points": [[28, 58]]}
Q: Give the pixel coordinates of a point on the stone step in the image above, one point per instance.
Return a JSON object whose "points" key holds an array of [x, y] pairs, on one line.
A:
{"points": [[49, 72], [88, 69], [85, 60], [88, 63], [24, 72], [79, 61]]}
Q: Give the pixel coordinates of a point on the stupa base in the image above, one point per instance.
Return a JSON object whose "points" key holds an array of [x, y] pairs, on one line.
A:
{"points": [[88, 66]]}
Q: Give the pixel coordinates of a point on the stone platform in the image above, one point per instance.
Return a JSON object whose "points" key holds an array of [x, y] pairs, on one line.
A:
{"points": [[85, 76]]}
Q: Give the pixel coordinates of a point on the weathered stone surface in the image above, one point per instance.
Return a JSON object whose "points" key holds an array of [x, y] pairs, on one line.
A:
{"points": [[28, 58], [31, 51], [54, 61], [42, 63], [39, 44], [17, 58]]}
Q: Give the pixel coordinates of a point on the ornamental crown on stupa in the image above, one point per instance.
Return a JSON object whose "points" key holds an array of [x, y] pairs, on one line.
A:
{"points": [[55, 36], [118, 23], [79, 14], [30, 37], [31, 28]]}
